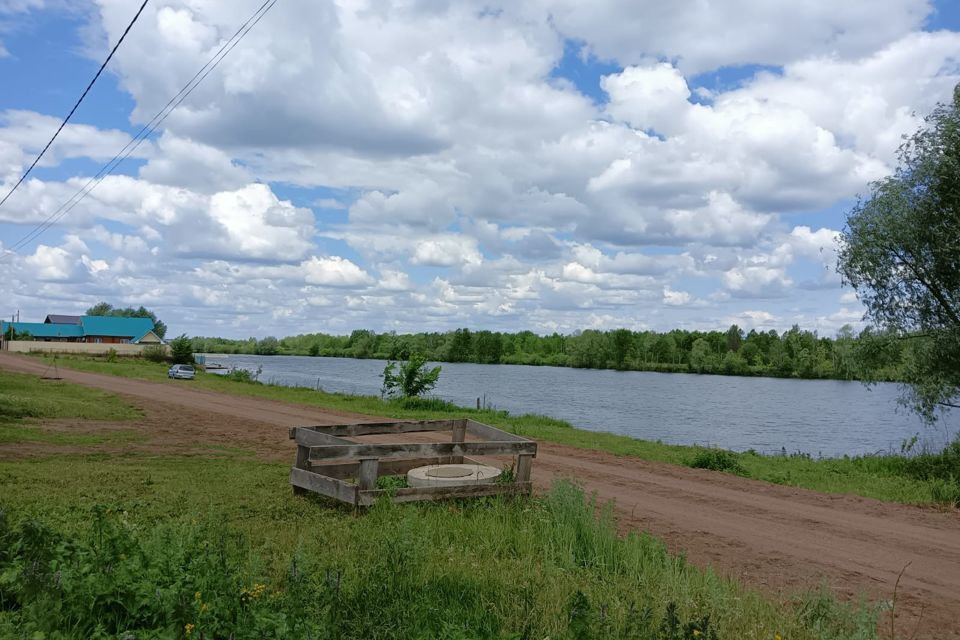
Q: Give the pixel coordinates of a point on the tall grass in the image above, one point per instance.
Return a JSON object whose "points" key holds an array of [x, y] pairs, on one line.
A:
{"points": [[495, 568]]}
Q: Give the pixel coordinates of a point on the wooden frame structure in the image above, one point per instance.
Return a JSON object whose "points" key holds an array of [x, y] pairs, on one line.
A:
{"points": [[327, 459]]}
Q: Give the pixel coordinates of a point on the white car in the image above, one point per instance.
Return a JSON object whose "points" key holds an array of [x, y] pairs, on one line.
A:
{"points": [[182, 371]]}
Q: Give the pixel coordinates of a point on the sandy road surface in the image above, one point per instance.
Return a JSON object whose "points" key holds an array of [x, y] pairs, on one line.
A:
{"points": [[776, 537]]}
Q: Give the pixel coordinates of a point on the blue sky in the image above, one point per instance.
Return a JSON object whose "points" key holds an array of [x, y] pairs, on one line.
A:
{"points": [[429, 167]]}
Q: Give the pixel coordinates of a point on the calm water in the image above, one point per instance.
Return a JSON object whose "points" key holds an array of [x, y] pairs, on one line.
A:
{"points": [[821, 417]]}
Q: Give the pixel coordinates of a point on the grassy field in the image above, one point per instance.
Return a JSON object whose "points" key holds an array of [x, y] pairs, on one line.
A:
{"points": [[930, 479], [147, 546], [25, 401]]}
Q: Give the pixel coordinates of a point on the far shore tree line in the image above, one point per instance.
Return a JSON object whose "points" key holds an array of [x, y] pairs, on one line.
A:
{"points": [[793, 353]]}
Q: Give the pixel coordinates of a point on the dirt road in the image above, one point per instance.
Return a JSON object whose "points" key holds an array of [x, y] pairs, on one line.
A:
{"points": [[780, 538]]}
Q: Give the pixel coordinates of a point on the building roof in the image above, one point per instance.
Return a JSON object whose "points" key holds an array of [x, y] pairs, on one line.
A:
{"points": [[116, 326], [132, 329], [54, 318], [44, 330]]}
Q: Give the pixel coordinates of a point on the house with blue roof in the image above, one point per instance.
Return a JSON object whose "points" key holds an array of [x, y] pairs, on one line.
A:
{"points": [[87, 329]]}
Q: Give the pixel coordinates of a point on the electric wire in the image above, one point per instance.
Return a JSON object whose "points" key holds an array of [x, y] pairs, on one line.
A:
{"points": [[147, 129], [82, 96]]}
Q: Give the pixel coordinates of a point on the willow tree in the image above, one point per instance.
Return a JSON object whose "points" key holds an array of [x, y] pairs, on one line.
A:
{"points": [[900, 251]]}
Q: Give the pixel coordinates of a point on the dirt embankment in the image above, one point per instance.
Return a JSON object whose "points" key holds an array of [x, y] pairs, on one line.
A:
{"points": [[779, 538]]}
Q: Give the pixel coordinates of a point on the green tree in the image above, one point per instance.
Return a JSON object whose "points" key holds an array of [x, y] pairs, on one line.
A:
{"points": [[409, 379], [734, 338], [734, 364], [461, 346], [181, 350], [665, 348], [750, 353], [489, 347], [700, 355], [269, 346], [624, 347], [900, 251]]}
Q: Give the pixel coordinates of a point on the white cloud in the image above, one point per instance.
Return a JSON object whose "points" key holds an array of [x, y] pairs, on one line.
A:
{"points": [[184, 163], [335, 272], [676, 298], [259, 225], [649, 97], [466, 158], [446, 251], [393, 280], [757, 281], [711, 35], [53, 263]]}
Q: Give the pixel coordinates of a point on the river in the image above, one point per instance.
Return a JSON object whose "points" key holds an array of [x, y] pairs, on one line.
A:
{"points": [[821, 417]]}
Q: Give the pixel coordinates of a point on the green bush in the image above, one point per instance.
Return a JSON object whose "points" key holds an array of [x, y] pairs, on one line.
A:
{"points": [[946, 492], [240, 375], [410, 379], [181, 350], [718, 460], [155, 353], [936, 466]]}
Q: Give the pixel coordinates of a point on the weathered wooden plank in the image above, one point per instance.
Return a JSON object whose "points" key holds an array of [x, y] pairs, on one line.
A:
{"points": [[522, 470], [413, 494], [310, 438], [422, 450], [373, 428], [367, 476], [486, 432], [303, 462], [459, 435], [387, 467], [324, 485]]}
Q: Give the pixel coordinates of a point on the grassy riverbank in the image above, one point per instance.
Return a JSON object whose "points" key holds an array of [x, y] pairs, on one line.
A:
{"points": [[922, 479], [96, 545]]}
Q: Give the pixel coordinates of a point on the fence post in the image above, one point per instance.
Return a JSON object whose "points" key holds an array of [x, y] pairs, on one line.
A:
{"points": [[367, 477], [459, 435], [303, 462], [524, 464]]}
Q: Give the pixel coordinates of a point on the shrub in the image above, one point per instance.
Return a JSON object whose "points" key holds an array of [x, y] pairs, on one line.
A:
{"points": [[936, 466], [718, 460], [181, 350], [409, 379], [111, 355], [155, 353], [946, 492], [240, 375]]}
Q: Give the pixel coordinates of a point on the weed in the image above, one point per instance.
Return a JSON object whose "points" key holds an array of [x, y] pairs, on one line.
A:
{"points": [[718, 460], [392, 482], [288, 568], [240, 375], [946, 492]]}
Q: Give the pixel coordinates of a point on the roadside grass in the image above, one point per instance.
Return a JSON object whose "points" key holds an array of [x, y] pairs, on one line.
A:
{"points": [[180, 547], [930, 479], [24, 400]]}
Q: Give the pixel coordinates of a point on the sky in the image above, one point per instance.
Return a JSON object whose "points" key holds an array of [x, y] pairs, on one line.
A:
{"points": [[551, 165]]}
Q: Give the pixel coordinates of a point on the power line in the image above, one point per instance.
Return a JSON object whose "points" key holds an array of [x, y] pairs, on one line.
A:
{"points": [[148, 128], [82, 96]]}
